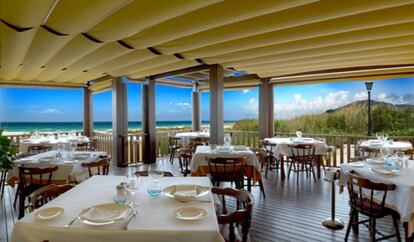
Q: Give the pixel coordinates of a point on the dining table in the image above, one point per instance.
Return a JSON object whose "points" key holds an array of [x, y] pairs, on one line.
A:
{"points": [[393, 146], [401, 199], [282, 149], [185, 137], [156, 219], [199, 162], [51, 141], [69, 165]]}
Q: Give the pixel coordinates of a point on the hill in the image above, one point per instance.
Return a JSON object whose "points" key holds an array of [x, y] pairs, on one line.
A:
{"points": [[349, 119]]}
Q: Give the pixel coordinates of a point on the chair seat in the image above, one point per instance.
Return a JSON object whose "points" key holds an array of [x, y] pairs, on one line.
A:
{"points": [[376, 210]]}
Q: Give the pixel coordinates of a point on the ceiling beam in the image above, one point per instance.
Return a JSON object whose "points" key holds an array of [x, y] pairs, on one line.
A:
{"points": [[32, 84], [180, 71]]}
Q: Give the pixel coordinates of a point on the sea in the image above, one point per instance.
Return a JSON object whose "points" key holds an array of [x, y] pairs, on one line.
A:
{"points": [[98, 126]]}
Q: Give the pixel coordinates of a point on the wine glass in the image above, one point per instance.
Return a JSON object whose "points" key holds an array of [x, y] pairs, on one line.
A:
{"points": [[131, 184], [73, 146], [155, 171], [378, 135]]}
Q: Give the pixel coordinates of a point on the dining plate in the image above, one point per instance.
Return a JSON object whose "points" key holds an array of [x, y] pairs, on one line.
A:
{"points": [[375, 162], [26, 159], [80, 156], [190, 213], [185, 192], [240, 147], [357, 164], [47, 213], [382, 171], [46, 159], [70, 161], [104, 214]]}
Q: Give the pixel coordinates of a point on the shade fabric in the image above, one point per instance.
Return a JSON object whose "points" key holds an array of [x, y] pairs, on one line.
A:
{"points": [[70, 42], [155, 222]]}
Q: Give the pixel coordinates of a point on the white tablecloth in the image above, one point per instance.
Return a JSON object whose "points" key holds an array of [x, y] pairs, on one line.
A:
{"points": [[64, 169], [155, 222], [186, 136], [402, 198], [51, 141], [392, 146], [282, 145]]}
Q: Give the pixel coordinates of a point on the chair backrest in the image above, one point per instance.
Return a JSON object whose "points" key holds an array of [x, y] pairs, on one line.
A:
{"points": [[101, 166], [227, 168], [194, 142], [45, 194], [410, 153], [173, 141], [259, 152], [36, 149], [241, 215], [36, 175], [85, 146], [366, 152], [145, 173], [185, 153], [362, 191], [302, 152]]}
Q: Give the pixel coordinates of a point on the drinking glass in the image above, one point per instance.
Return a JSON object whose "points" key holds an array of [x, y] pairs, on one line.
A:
{"points": [[73, 146], [154, 189], [155, 171], [378, 135], [131, 184], [402, 158]]}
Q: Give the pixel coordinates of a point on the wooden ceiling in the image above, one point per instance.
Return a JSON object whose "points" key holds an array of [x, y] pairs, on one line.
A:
{"points": [[52, 42]]}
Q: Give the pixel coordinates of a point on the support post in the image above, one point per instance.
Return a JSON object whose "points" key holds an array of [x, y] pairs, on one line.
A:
{"points": [[196, 114], [119, 122], [266, 120], [148, 121], [87, 112], [216, 105]]}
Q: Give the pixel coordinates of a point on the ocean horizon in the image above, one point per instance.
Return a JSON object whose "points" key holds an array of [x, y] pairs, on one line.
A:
{"points": [[98, 126]]}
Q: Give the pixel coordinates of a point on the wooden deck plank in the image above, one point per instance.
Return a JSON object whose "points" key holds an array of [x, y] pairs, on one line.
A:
{"points": [[290, 212]]}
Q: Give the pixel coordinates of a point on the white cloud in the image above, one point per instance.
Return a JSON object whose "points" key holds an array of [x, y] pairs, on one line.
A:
{"points": [[252, 106], [47, 111], [245, 91], [182, 105], [360, 96], [319, 104]]}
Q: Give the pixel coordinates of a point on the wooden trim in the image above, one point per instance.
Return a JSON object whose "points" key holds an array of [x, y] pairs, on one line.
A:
{"points": [[148, 121], [119, 122], [40, 85], [196, 108], [87, 112], [266, 111], [180, 71], [100, 79], [216, 105], [174, 83]]}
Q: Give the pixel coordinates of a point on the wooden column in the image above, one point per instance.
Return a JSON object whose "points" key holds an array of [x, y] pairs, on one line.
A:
{"points": [[87, 112], [119, 122], [266, 122], [216, 105], [196, 118], [148, 122]]}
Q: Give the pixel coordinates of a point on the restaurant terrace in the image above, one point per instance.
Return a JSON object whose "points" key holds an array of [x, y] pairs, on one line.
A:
{"points": [[94, 186]]}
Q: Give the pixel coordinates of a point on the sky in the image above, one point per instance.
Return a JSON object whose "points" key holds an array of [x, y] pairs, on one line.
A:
{"points": [[174, 104]]}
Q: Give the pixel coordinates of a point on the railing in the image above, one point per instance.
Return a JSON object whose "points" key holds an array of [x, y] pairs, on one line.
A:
{"points": [[163, 146], [247, 138], [103, 142]]}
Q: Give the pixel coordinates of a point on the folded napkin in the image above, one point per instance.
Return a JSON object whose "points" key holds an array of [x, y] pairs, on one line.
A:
{"points": [[186, 190], [97, 214]]}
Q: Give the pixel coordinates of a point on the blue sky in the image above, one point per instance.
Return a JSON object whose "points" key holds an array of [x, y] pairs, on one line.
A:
{"points": [[37, 105]]}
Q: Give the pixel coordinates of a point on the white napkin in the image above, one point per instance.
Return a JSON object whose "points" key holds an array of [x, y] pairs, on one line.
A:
{"points": [[96, 214]]}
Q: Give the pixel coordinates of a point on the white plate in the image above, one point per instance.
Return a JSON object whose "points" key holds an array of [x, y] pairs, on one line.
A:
{"points": [[80, 156], [70, 161], [357, 164], [382, 171], [105, 214], [375, 162], [26, 159], [46, 159], [199, 191], [47, 213], [190, 213]]}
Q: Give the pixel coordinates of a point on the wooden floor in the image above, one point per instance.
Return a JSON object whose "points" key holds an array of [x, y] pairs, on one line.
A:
{"points": [[290, 212]]}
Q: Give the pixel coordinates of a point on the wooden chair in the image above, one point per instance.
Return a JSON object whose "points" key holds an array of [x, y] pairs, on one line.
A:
{"points": [[31, 179], [261, 156], [303, 158], [85, 146], [364, 153], [361, 199], [234, 225], [101, 167], [226, 169], [145, 173], [409, 153], [270, 161], [184, 157], [36, 149], [45, 194], [174, 146], [197, 141]]}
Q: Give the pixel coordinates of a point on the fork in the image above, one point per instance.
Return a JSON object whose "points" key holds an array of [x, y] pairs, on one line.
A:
{"points": [[72, 221]]}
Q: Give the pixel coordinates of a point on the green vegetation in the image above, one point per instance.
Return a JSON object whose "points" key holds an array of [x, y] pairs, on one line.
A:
{"points": [[351, 119], [6, 150]]}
